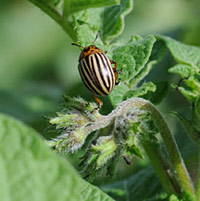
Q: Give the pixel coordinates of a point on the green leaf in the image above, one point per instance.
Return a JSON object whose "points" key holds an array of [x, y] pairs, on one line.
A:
{"points": [[86, 24], [95, 19], [189, 86], [136, 59], [189, 68], [159, 94], [30, 170], [184, 54], [86, 34], [142, 186], [159, 51], [113, 19], [190, 77], [125, 62], [188, 92], [183, 70], [140, 91], [118, 93], [140, 50], [72, 6], [90, 193]]}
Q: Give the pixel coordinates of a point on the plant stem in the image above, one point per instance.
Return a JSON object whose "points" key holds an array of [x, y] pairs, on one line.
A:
{"points": [[68, 29], [198, 178], [163, 172], [172, 149]]}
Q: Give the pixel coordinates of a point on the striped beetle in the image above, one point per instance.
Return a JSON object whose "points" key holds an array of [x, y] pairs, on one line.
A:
{"points": [[96, 71]]}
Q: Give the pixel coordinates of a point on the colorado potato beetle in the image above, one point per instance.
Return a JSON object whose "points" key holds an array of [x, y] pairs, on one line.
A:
{"points": [[96, 71]]}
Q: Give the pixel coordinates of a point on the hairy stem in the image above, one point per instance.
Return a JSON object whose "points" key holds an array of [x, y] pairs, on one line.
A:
{"points": [[163, 171], [172, 149]]}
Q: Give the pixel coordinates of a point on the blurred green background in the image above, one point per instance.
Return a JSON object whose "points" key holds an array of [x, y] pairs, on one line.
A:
{"points": [[38, 64]]}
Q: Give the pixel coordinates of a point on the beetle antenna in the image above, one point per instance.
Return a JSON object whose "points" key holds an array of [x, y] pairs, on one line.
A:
{"points": [[77, 45], [96, 37]]}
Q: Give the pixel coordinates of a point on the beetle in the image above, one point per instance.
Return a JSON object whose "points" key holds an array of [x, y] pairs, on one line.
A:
{"points": [[96, 71]]}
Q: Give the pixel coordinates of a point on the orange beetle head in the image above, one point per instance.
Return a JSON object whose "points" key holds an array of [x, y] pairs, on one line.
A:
{"points": [[92, 49]]}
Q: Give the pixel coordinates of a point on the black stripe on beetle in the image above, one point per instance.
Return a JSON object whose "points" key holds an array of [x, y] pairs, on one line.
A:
{"points": [[110, 75], [94, 71], [111, 70], [102, 71], [94, 81], [88, 78]]}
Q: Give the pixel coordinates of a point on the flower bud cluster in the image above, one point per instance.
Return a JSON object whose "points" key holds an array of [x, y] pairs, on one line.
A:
{"points": [[117, 135]]}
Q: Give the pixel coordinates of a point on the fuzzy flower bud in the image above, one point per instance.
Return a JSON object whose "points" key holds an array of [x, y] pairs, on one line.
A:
{"points": [[73, 121], [105, 147]]}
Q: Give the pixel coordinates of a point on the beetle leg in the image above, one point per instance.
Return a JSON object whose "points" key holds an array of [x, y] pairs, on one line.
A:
{"points": [[114, 69], [116, 72], [118, 82], [99, 102], [114, 62]]}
